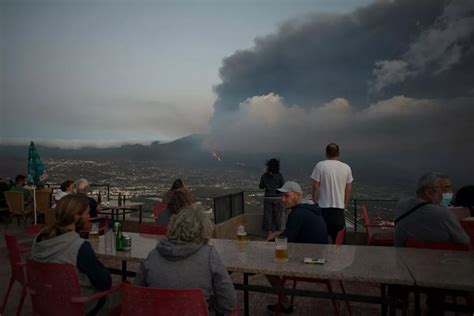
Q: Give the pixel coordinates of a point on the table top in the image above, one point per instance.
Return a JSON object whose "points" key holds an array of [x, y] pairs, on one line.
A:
{"points": [[440, 268], [346, 262], [113, 204]]}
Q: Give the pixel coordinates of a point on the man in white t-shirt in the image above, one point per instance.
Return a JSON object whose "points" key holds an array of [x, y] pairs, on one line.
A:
{"points": [[332, 186]]}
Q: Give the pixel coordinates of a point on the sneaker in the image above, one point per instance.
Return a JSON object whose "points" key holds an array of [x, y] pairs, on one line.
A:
{"points": [[283, 310]]}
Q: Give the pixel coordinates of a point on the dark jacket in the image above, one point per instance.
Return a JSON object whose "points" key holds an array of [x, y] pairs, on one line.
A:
{"points": [[271, 182], [306, 225]]}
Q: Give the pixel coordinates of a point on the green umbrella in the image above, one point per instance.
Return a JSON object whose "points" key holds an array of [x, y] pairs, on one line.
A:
{"points": [[36, 172]]}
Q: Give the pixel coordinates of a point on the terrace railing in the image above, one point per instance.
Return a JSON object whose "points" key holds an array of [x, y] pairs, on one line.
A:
{"points": [[231, 205]]}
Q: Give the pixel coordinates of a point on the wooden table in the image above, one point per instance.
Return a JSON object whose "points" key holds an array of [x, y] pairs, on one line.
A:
{"points": [[347, 263], [127, 207]]}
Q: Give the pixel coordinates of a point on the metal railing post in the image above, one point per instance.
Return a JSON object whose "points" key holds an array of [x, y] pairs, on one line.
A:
{"points": [[355, 215]]}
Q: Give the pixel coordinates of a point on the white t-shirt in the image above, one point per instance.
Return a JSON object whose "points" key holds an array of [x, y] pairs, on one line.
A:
{"points": [[333, 176]]}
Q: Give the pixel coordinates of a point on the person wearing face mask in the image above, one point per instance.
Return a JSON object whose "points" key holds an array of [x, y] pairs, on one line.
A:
{"points": [[446, 189], [423, 218]]}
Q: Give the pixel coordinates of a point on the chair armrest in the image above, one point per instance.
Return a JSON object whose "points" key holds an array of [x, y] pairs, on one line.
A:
{"points": [[86, 299], [23, 250]]}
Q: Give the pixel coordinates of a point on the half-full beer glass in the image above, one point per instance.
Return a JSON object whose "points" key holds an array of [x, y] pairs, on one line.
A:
{"points": [[94, 232], [241, 233], [281, 249]]}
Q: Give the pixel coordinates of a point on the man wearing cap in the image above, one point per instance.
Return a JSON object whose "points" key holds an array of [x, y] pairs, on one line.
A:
{"points": [[332, 186], [304, 225]]}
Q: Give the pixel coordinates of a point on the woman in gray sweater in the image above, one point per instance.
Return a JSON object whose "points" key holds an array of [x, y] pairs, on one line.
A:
{"points": [[187, 260]]}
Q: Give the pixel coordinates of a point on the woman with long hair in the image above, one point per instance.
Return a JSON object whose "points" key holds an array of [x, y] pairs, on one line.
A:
{"points": [[178, 200], [61, 243], [272, 180]]}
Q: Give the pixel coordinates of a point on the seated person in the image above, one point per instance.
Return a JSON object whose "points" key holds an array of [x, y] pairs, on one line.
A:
{"points": [[60, 243], [83, 187], [67, 187], [20, 182], [177, 184], [422, 218], [187, 260], [465, 198], [305, 225], [178, 200]]}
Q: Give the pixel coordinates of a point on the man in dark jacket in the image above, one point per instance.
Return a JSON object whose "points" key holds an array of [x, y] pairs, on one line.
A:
{"points": [[305, 225]]}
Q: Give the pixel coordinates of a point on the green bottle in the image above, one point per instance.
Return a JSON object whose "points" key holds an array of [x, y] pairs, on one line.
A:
{"points": [[119, 239]]}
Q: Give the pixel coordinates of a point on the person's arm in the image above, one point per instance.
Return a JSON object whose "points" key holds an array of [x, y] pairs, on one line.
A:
{"points": [[88, 264], [140, 278], [262, 184], [456, 232], [347, 194], [273, 235], [293, 226], [224, 299], [315, 193]]}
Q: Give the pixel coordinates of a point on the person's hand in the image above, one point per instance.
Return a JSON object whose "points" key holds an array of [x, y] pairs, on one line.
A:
{"points": [[271, 236]]}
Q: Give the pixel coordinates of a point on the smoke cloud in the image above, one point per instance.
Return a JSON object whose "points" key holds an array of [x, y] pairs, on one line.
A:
{"points": [[393, 78]]}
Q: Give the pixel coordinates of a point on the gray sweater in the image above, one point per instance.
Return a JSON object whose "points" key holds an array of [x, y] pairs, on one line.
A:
{"points": [[430, 222], [177, 264]]}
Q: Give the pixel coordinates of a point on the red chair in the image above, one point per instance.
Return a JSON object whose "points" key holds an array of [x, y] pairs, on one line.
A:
{"points": [[158, 208], [468, 227], [339, 241], [17, 267], [33, 229], [413, 243], [138, 301], [55, 290], [152, 229], [381, 233]]}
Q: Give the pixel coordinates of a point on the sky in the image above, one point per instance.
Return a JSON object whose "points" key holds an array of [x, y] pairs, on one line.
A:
{"points": [[388, 80], [80, 72]]}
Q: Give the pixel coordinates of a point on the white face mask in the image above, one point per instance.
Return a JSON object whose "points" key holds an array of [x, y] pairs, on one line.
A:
{"points": [[446, 200]]}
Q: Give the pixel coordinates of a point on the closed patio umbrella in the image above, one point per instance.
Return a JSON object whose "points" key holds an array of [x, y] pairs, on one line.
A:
{"points": [[36, 171]]}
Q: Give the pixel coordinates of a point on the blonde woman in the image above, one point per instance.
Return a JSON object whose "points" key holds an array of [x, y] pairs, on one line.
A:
{"points": [[187, 260], [60, 243]]}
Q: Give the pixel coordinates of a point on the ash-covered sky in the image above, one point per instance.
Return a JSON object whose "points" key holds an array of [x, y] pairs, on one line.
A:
{"points": [[103, 72], [392, 81]]}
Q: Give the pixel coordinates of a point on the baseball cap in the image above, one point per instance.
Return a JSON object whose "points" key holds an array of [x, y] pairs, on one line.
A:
{"points": [[290, 186]]}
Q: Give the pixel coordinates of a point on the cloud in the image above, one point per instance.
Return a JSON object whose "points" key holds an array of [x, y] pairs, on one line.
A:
{"points": [[402, 47], [436, 50], [99, 118], [72, 143], [268, 124]]}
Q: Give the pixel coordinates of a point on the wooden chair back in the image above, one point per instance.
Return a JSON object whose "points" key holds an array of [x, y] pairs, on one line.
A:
{"points": [[15, 202], [43, 200]]}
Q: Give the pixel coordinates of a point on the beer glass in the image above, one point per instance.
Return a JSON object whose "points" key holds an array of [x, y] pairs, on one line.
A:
{"points": [[241, 233], [281, 249], [94, 232]]}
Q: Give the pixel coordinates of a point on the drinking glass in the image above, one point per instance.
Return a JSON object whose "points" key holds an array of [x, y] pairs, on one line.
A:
{"points": [[241, 233], [94, 232], [281, 249]]}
